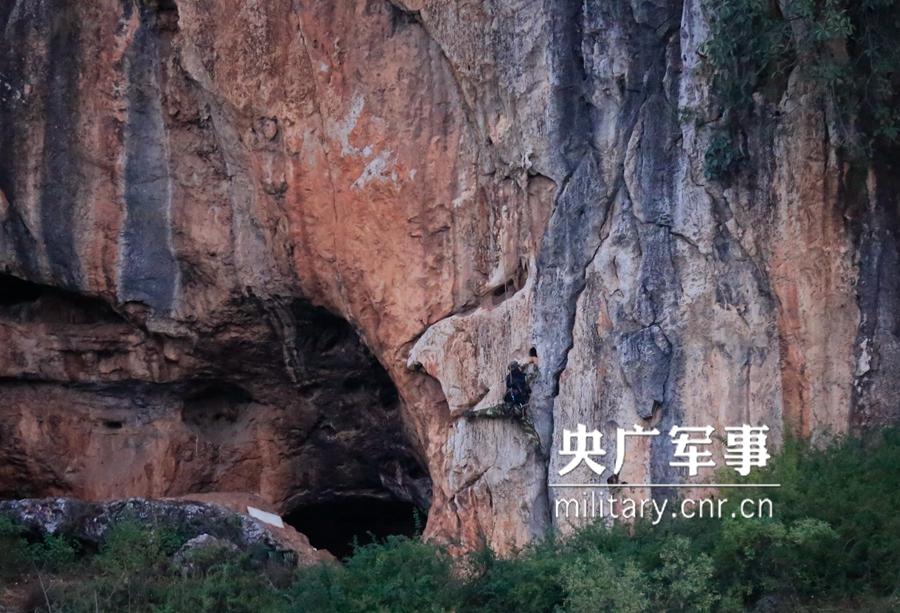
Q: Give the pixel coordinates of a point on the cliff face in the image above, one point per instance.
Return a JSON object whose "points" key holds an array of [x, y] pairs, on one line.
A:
{"points": [[277, 247]]}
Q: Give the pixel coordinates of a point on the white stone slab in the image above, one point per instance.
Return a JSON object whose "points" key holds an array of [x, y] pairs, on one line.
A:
{"points": [[269, 518]]}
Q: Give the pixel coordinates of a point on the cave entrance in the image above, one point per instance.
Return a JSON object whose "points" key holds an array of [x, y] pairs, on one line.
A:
{"points": [[17, 291], [358, 474], [28, 302], [336, 525]]}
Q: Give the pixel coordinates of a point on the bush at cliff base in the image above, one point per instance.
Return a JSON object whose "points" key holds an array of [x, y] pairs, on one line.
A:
{"points": [[834, 544]]}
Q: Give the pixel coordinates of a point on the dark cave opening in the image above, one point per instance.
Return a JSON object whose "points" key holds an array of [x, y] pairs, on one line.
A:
{"points": [[358, 472], [26, 301], [336, 525], [17, 291], [305, 415], [214, 402]]}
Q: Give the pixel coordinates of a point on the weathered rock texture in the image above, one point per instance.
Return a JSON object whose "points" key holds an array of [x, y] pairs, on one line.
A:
{"points": [[89, 523], [276, 247]]}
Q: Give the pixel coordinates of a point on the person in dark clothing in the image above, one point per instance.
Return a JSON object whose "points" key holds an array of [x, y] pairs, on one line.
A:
{"points": [[515, 403], [518, 392]]}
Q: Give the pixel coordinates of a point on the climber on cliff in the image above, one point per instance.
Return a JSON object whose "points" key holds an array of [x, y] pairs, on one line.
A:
{"points": [[518, 391], [516, 399]]}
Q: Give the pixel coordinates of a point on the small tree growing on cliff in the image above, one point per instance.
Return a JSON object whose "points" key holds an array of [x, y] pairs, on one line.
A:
{"points": [[849, 48]]}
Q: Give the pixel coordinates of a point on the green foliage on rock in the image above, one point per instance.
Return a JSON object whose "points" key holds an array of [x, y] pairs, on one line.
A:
{"points": [[50, 553], [850, 49], [13, 548]]}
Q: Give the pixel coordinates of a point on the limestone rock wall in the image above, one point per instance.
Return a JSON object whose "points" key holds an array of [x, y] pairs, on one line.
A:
{"points": [[328, 226]]}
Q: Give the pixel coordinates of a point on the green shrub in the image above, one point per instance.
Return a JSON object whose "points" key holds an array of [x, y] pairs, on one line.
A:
{"points": [[228, 586], [853, 486], [749, 47], [13, 548], [835, 534], [54, 553], [722, 157], [595, 582], [835, 541], [754, 557], [529, 581], [129, 549], [684, 580], [133, 571], [231, 585], [320, 588], [398, 574]]}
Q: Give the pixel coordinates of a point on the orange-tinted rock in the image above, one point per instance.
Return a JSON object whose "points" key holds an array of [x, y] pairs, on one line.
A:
{"points": [[278, 247]]}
